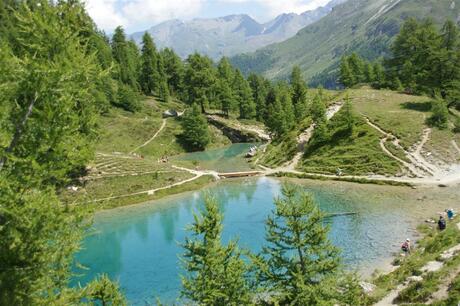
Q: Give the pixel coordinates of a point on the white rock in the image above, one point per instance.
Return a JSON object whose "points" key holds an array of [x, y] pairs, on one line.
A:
{"points": [[367, 287], [415, 278], [432, 266]]}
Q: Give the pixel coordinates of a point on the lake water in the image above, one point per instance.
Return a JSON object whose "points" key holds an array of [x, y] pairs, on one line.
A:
{"points": [[227, 159], [140, 245]]}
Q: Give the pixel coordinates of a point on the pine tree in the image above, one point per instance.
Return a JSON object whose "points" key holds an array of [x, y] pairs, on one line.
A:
{"points": [[244, 97], [123, 55], [346, 75], [48, 116], [298, 255], [318, 109], [348, 114], [195, 128], [299, 93], [356, 64], [216, 273], [149, 76], [379, 76], [259, 91], [174, 70], [440, 116], [369, 74], [162, 87], [199, 80], [225, 97]]}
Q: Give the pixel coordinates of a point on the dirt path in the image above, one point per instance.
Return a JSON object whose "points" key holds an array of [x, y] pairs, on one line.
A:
{"points": [[260, 132], [431, 266], [163, 124], [305, 137], [454, 143]]}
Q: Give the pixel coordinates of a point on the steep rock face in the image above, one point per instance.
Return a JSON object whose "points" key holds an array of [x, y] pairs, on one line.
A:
{"points": [[364, 26], [230, 35]]}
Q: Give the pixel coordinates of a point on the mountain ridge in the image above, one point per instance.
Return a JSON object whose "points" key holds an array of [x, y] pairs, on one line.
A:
{"points": [[230, 35], [363, 26]]}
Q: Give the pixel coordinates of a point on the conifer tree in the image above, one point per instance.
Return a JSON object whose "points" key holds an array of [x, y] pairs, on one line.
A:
{"points": [[440, 115], [123, 55], [318, 109], [174, 70], [348, 114], [225, 97], [48, 124], [379, 75], [298, 256], [346, 75], [259, 91], [299, 93], [244, 97], [216, 272], [149, 76], [195, 128], [199, 80]]}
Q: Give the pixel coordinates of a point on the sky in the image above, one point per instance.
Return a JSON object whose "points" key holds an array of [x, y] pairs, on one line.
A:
{"points": [[139, 15]]}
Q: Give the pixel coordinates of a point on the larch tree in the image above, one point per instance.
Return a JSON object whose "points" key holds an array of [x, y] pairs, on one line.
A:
{"points": [[298, 257], [299, 93], [216, 272], [195, 128], [149, 76]]}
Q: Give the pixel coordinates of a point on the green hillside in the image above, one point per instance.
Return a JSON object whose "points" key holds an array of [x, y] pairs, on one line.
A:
{"points": [[364, 26]]}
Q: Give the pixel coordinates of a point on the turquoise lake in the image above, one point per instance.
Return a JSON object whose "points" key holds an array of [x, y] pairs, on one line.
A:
{"points": [[140, 245]]}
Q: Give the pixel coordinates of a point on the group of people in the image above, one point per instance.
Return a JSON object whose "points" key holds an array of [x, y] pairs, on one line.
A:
{"points": [[442, 224]]}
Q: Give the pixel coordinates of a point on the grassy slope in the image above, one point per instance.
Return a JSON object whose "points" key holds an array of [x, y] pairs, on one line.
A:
{"points": [[358, 154], [320, 46], [399, 114], [113, 174], [428, 249]]}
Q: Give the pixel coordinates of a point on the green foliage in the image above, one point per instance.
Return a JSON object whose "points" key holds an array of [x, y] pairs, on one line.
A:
{"points": [[38, 242], [260, 89], [440, 116], [198, 80], [299, 94], [244, 97], [195, 126], [174, 70], [102, 291], [125, 57], [298, 255], [149, 76], [216, 272], [128, 98]]}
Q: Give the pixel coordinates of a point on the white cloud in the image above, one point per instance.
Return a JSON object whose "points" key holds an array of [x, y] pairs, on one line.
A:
{"points": [[105, 14], [276, 7], [109, 14], [133, 14]]}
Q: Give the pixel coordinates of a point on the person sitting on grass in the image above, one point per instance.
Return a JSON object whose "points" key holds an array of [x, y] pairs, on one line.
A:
{"points": [[441, 223], [405, 247]]}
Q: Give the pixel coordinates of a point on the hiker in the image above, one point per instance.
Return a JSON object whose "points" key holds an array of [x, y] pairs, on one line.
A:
{"points": [[441, 223], [450, 213], [405, 247]]}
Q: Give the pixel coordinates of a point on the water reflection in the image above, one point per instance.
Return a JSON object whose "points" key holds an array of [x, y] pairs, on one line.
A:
{"points": [[140, 245]]}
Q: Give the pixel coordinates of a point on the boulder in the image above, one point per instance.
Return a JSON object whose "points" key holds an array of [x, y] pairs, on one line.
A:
{"points": [[367, 287]]}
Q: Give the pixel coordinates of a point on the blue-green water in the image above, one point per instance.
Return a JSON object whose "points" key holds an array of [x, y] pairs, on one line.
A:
{"points": [[139, 246], [227, 159]]}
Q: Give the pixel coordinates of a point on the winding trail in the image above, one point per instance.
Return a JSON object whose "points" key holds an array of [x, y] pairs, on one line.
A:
{"points": [[163, 124], [305, 137], [454, 143]]}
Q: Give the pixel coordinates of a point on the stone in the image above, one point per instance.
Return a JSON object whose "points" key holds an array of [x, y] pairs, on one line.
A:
{"points": [[432, 266], [415, 278], [367, 287]]}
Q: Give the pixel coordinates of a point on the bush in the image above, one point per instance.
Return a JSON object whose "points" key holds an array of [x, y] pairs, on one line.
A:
{"points": [[457, 125], [440, 115], [128, 98]]}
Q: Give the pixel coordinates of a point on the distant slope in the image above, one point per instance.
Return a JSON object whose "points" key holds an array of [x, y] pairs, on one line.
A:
{"points": [[365, 26], [230, 35]]}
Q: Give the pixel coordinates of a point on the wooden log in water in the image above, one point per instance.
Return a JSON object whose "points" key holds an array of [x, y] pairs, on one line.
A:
{"points": [[340, 214]]}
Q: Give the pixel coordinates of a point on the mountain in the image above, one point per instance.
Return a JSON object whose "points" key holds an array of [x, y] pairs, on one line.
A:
{"points": [[364, 26], [230, 35]]}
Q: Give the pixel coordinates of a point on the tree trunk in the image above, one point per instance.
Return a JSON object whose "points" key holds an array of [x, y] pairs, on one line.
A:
{"points": [[18, 132]]}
